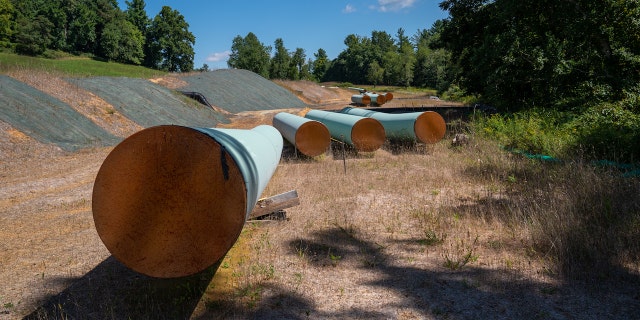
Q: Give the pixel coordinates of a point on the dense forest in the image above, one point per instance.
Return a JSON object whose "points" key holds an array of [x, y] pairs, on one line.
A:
{"points": [[98, 28]]}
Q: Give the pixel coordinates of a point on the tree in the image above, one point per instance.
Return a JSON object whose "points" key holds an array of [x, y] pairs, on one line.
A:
{"points": [[169, 42], [279, 67], [432, 66], [297, 64], [6, 22], [137, 15], [375, 73], [33, 36], [320, 64], [122, 42], [82, 28], [523, 54], [250, 54]]}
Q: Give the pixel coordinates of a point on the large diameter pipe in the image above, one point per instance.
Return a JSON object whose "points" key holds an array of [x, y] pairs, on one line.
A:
{"points": [[388, 96], [364, 134], [378, 99], [426, 127], [170, 201], [362, 99], [310, 137]]}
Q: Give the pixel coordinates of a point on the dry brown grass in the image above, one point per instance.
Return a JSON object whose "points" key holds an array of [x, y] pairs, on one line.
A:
{"points": [[439, 233]]}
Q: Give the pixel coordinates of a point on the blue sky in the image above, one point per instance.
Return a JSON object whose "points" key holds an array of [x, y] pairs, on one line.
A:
{"points": [[306, 24]]}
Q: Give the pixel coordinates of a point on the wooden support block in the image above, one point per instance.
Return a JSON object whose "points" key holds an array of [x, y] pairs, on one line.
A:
{"points": [[281, 201]]}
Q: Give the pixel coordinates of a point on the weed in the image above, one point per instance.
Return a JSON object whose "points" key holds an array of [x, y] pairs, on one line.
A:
{"points": [[431, 238], [460, 254], [334, 258]]}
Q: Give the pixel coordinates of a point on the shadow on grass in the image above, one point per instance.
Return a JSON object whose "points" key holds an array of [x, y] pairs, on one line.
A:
{"points": [[113, 291], [469, 293]]}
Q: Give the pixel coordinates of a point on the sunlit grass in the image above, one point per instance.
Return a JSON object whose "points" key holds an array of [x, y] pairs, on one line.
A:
{"points": [[74, 66]]}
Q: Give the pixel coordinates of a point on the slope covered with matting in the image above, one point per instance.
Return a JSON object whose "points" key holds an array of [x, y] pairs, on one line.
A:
{"points": [[237, 90], [47, 119], [150, 104]]}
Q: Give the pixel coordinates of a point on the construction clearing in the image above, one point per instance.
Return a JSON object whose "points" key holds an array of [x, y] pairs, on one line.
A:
{"points": [[426, 230]]}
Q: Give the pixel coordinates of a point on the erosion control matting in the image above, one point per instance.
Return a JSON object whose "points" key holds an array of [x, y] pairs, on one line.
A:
{"points": [[237, 90], [149, 104], [47, 119]]}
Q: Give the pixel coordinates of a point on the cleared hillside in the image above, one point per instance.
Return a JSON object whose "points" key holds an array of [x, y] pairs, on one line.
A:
{"points": [[236, 90], [47, 119], [149, 104]]}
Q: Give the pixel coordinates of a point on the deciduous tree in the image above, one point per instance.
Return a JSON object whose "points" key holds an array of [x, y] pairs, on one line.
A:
{"points": [[169, 42], [122, 42], [250, 54]]}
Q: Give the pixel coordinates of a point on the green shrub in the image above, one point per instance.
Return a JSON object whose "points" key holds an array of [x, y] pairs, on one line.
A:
{"points": [[535, 131], [609, 131]]}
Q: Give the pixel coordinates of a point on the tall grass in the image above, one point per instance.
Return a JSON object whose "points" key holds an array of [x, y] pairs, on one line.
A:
{"points": [[74, 66]]}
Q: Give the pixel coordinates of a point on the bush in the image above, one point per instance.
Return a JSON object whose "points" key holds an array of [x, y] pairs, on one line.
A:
{"points": [[535, 131], [609, 131]]}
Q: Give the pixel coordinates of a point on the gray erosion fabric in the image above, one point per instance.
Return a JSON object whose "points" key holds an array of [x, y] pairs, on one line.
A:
{"points": [[149, 104], [47, 119], [236, 90]]}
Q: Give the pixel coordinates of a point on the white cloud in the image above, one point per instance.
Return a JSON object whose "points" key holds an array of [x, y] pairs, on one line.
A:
{"points": [[393, 5], [218, 56], [349, 9]]}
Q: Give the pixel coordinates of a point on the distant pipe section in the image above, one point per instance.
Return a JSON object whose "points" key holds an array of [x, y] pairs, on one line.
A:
{"points": [[361, 99], [388, 96], [378, 99], [426, 127], [364, 134], [170, 201], [310, 137]]}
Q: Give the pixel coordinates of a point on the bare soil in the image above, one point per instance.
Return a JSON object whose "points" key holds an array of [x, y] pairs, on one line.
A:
{"points": [[341, 254]]}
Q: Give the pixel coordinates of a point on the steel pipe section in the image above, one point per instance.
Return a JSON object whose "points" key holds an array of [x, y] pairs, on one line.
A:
{"points": [[361, 99], [364, 134], [170, 201], [426, 127], [310, 137], [378, 99]]}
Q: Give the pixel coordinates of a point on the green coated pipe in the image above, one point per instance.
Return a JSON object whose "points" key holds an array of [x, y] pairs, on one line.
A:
{"points": [[364, 134], [310, 137], [426, 127], [378, 99], [361, 99], [170, 201]]}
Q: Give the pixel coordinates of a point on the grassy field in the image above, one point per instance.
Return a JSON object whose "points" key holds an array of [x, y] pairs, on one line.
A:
{"points": [[74, 66]]}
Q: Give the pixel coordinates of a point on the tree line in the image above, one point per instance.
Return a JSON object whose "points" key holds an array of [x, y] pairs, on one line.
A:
{"points": [[99, 28], [379, 59]]}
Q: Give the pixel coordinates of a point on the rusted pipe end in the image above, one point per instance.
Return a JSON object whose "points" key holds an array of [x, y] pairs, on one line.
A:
{"points": [[169, 201], [388, 96], [367, 135], [313, 138], [430, 127], [381, 99]]}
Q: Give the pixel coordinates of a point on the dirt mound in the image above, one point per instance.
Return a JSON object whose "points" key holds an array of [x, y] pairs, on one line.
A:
{"points": [[150, 104], [236, 90], [47, 119], [90, 105], [313, 93]]}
